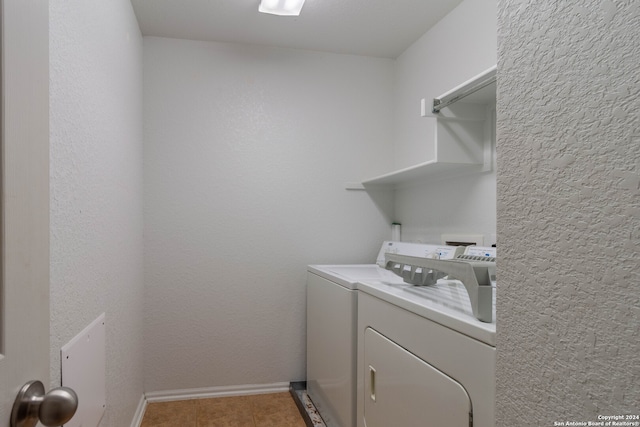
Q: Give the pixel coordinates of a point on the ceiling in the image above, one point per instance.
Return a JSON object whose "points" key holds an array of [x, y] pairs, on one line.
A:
{"points": [[381, 28]]}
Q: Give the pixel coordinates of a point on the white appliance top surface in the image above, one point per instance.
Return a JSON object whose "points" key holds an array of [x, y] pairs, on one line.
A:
{"points": [[349, 275], [446, 303]]}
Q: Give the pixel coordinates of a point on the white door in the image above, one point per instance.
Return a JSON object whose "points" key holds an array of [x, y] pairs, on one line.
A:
{"points": [[24, 285], [404, 390]]}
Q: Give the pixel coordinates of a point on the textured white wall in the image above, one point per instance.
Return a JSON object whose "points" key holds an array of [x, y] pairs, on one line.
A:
{"points": [[96, 189], [247, 151], [568, 211], [460, 46]]}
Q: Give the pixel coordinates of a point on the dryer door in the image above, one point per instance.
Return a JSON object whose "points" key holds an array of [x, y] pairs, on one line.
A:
{"points": [[404, 390]]}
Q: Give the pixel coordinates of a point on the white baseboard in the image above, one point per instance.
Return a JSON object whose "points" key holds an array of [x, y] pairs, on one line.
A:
{"points": [[137, 418], [202, 393]]}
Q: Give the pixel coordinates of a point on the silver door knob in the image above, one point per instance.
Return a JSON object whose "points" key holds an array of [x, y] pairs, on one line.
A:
{"points": [[52, 409]]}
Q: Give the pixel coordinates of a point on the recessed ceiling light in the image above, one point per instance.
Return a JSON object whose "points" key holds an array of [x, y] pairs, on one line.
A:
{"points": [[281, 7]]}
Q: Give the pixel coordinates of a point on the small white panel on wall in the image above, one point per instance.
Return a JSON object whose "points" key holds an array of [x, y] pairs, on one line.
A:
{"points": [[83, 369]]}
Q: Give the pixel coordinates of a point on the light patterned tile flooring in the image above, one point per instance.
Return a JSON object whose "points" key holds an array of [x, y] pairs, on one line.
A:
{"points": [[260, 410]]}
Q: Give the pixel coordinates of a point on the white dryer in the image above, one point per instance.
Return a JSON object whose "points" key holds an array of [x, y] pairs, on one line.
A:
{"points": [[332, 310], [424, 359]]}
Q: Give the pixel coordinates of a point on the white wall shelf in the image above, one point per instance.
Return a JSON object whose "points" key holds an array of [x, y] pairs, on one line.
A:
{"points": [[431, 168], [463, 137], [462, 145]]}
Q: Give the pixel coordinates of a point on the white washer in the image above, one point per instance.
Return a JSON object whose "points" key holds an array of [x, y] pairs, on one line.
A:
{"points": [[332, 310]]}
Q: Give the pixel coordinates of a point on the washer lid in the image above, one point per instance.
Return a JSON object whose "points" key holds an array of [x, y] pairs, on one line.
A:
{"points": [[349, 275]]}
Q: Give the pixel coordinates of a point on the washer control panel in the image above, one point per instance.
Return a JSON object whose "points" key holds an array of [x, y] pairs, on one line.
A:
{"points": [[480, 251], [422, 250]]}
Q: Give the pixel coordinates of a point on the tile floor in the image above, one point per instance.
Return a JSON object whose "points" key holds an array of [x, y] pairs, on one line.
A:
{"points": [[260, 410]]}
